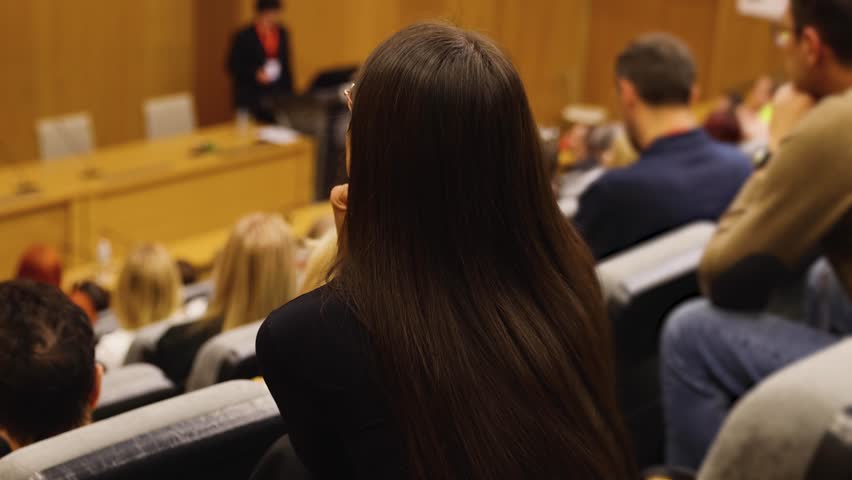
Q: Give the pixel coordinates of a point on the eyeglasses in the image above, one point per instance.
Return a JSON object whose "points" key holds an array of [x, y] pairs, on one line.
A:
{"points": [[348, 94]]}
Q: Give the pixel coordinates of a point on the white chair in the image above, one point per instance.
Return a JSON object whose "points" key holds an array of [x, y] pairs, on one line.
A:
{"points": [[169, 116], [65, 135]]}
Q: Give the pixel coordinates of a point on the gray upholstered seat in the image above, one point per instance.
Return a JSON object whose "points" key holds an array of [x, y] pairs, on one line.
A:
{"points": [[774, 432], [131, 387], [216, 433], [641, 286], [227, 356], [653, 262]]}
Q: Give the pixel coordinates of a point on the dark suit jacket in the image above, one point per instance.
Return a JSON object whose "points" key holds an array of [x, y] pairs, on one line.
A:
{"points": [[678, 180], [247, 56]]}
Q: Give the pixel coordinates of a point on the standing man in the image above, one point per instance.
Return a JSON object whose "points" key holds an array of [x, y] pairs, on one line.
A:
{"points": [[259, 62]]}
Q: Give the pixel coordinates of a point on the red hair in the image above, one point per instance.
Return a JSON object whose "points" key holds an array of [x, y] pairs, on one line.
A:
{"points": [[41, 263]]}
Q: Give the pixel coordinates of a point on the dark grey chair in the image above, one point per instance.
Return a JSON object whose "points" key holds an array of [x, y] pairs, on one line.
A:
{"points": [[219, 433], [131, 387], [641, 286], [227, 356]]}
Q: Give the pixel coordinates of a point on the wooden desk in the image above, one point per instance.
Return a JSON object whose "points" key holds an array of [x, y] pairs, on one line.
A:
{"points": [[199, 250], [164, 191]]}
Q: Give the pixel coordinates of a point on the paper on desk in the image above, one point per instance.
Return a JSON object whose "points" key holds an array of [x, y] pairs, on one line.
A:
{"points": [[277, 135]]}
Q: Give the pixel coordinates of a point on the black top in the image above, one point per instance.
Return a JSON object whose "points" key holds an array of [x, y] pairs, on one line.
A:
{"points": [[316, 360], [247, 56], [176, 350], [679, 179]]}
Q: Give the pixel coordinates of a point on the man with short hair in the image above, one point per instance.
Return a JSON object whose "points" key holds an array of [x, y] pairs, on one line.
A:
{"points": [[682, 175], [49, 382], [795, 207]]}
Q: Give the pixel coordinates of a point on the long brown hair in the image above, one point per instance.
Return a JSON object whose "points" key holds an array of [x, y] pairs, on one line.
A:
{"points": [[481, 301]]}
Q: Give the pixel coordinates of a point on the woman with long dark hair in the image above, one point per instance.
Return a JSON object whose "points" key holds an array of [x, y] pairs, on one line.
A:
{"points": [[464, 333]]}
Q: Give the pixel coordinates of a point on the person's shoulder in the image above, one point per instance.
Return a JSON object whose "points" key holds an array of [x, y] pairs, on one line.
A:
{"points": [[621, 182], [731, 154], [180, 336], [832, 107], [820, 134], [245, 33], [312, 319], [820, 125]]}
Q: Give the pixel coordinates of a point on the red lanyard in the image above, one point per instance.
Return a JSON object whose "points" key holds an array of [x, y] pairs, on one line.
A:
{"points": [[269, 39]]}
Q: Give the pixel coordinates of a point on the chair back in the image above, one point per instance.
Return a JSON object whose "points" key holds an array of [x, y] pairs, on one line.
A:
{"points": [[65, 136], [131, 387], [641, 286], [227, 356], [219, 433], [169, 116]]}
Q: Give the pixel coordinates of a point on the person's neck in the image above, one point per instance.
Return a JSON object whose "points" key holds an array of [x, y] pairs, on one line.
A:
{"points": [[656, 123], [264, 23], [839, 81]]}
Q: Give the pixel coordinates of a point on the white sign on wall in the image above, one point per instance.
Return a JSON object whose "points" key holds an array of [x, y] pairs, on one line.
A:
{"points": [[768, 9]]}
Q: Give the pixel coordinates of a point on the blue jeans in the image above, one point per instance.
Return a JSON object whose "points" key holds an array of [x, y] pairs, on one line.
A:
{"points": [[712, 357]]}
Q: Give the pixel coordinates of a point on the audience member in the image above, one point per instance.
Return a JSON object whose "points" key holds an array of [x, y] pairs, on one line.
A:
{"points": [[682, 174], [49, 382], [464, 334], [320, 261], [188, 272], [723, 126], [755, 111], [254, 275], [148, 293], [98, 295], [797, 205], [43, 264]]}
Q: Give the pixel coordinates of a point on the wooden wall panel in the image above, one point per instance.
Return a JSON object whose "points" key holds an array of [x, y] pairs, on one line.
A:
{"points": [[215, 23], [729, 49], [103, 56], [107, 56], [744, 48], [614, 23]]}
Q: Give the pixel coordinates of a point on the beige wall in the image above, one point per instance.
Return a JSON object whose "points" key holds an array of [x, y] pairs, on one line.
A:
{"points": [[544, 37], [103, 56], [107, 56]]}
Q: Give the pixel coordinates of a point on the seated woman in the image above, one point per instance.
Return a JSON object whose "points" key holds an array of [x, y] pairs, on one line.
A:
{"points": [[148, 293], [464, 333], [254, 274], [43, 264]]}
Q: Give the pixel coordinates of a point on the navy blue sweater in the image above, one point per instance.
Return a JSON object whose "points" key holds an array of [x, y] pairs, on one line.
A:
{"points": [[678, 179]]}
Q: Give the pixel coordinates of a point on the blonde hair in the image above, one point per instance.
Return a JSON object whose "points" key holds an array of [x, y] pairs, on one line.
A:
{"points": [[149, 288], [254, 273], [320, 262]]}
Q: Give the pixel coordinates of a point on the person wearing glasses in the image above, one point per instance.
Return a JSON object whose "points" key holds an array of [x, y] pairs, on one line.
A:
{"points": [[796, 206], [463, 334], [259, 62]]}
